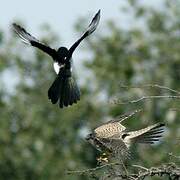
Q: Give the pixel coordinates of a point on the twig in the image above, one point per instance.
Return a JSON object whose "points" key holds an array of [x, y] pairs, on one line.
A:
{"points": [[141, 167], [124, 167], [174, 109], [170, 170], [80, 172], [151, 85], [172, 155], [144, 98]]}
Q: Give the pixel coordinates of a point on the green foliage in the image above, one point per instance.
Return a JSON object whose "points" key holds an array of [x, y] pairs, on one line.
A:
{"points": [[41, 141]]}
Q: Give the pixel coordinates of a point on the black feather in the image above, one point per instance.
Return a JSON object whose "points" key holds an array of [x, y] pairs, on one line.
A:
{"points": [[55, 90], [66, 92]]}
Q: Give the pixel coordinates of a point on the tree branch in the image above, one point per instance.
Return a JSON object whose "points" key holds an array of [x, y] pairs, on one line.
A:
{"points": [[80, 172], [172, 155], [170, 170], [152, 86], [144, 98]]}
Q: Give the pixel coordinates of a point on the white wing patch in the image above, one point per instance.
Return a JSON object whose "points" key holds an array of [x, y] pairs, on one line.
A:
{"points": [[56, 67]]}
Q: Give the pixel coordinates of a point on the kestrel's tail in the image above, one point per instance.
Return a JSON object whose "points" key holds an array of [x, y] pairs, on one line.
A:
{"points": [[65, 90], [149, 135]]}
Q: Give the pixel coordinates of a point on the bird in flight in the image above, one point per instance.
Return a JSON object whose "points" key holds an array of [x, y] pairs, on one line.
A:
{"points": [[113, 138], [64, 89]]}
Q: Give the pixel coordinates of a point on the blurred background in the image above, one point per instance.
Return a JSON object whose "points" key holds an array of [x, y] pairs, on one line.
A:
{"points": [[136, 43]]}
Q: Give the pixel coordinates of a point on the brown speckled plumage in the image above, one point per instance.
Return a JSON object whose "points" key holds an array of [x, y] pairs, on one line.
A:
{"points": [[114, 137]]}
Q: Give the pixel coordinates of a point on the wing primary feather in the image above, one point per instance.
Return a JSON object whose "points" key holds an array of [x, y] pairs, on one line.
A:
{"points": [[91, 28], [23, 34], [148, 135]]}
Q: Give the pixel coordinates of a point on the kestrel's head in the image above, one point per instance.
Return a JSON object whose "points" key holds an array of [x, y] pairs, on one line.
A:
{"points": [[90, 137], [62, 52]]}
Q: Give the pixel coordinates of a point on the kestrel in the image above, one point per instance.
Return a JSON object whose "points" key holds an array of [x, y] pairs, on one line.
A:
{"points": [[112, 137], [64, 89]]}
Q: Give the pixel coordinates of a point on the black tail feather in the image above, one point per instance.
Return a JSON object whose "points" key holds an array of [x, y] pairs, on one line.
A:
{"points": [[65, 90], [55, 90]]}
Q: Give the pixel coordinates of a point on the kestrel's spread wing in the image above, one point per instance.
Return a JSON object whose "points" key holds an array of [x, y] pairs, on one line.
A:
{"points": [[149, 135], [108, 130], [125, 116], [108, 138], [112, 136], [29, 39]]}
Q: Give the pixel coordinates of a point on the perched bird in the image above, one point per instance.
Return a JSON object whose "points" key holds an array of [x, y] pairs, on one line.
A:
{"points": [[113, 138], [64, 89]]}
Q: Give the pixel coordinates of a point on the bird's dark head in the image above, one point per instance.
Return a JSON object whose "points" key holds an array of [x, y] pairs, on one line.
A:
{"points": [[90, 137], [63, 52]]}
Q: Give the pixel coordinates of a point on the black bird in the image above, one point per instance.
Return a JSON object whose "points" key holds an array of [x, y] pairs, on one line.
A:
{"points": [[64, 88]]}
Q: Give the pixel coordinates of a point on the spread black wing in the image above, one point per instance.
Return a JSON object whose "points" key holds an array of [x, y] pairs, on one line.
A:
{"points": [[91, 28], [29, 39]]}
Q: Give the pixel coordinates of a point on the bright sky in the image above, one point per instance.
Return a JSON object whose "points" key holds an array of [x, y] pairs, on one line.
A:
{"points": [[62, 15]]}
